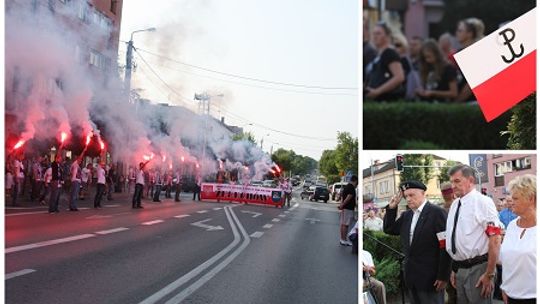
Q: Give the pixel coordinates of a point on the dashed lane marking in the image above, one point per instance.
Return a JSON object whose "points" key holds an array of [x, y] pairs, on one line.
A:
{"points": [[282, 215], [275, 220], [268, 226], [19, 273], [202, 211], [181, 216], [48, 243], [152, 222], [256, 234], [218, 208], [112, 230]]}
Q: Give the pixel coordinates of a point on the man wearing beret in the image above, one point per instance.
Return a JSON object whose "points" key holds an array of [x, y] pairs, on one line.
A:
{"points": [[422, 232]]}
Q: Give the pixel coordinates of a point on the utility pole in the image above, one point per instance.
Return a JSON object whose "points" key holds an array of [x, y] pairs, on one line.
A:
{"points": [[129, 63]]}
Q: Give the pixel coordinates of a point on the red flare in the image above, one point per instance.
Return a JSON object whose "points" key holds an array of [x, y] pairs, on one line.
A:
{"points": [[101, 144], [63, 137], [151, 155], [278, 169], [197, 166], [246, 168], [182, 159], [163, 158], [170, 166], [272, 170], [18, 144], [89, 138], [146, 157]]}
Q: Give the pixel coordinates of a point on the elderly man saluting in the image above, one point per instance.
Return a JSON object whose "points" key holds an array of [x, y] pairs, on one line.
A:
{"points": [[427, 264], [474, 238]]}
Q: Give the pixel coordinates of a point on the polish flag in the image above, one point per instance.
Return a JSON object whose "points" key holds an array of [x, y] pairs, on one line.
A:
{"points": [[501, 67]]}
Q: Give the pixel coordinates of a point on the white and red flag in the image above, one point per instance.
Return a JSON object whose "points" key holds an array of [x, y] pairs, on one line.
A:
{"points": [[501, 67]]}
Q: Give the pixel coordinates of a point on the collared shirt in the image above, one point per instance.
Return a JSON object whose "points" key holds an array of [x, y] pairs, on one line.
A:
{"points": [[476, 212], [416, 216], [506, 216]]}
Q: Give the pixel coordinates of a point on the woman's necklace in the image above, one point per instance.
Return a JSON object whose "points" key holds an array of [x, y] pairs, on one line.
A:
{"points": [[524, 229]]}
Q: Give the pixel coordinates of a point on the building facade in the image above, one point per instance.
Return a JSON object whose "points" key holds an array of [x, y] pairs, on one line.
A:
{"points": [[502, 168]]}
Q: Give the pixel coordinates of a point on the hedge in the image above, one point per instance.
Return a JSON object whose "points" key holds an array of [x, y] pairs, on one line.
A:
{"points": [[400, 125], [386, 262]]}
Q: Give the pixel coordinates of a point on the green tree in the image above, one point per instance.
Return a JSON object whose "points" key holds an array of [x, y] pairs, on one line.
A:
{"points": [[302, 165], [328, 166], [346, 153], [248, 136], [443, 173], [422, 174], [284, 158], [522, 125]]}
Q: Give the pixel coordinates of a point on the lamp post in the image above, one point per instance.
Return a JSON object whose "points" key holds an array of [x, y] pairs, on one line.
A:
{"points": [[262, 139], [129, 60]]}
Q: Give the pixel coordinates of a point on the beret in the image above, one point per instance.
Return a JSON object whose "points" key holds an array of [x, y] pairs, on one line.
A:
{"points": [[412, 185]]}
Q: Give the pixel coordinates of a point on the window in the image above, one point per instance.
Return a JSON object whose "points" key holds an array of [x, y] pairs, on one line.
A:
{"points": [[502, 168], [383, 187], [94, 58], [113, 6], [499, 181], [522, 163]]}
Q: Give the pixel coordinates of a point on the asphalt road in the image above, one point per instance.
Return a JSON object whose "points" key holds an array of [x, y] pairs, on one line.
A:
{"points": [[188, 252]]}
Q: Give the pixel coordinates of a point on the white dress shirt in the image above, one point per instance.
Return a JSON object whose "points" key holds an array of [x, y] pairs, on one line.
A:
{"points": [[476, 212], [416, 215], [140, 177], [373, 224], [518, 258]]}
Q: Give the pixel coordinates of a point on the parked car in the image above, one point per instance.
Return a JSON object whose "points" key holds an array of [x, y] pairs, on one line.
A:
{"points": [[320, 193], [257, 183], [306, 193], [269, 183], [335, 191]]}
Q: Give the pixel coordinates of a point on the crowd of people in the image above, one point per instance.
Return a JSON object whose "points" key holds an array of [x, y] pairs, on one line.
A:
{"points": [[39, 179], [471, 248], [418, 68]]}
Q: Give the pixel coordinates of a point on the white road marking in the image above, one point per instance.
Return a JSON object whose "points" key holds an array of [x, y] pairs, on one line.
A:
{"points": [[213, 272], [217, 208], [312, 220], [152, 222], [255, 214], [257, 234], [275, 220], [268, 226], [112, 206], [287, 211], [282, 215], [48, 243], [202, 211], [207, 227], [112, 230], [181, 216], [26, 208], [94, 217], [19, 273], [25, 213], [84, 208], [199, 269]]}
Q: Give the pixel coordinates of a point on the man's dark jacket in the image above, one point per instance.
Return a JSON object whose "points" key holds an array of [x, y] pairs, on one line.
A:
{"points": [[425, 261]]}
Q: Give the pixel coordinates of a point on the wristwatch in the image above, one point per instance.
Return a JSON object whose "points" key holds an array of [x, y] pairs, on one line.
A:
{"points": [[490, 275]]}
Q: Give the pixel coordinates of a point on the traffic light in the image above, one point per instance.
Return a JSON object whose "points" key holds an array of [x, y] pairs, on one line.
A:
{"points": [[399, 162]]}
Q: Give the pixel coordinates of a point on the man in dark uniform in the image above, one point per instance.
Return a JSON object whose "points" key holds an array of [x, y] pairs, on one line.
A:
{"points": [[56, 184], [422, 229]]}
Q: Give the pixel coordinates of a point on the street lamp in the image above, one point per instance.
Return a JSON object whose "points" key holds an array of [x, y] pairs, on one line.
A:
{"points": [[262, 139], [129, 59]]}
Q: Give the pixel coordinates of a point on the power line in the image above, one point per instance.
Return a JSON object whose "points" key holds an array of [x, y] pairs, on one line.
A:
{"points": [[305, 86], [260, 86]]}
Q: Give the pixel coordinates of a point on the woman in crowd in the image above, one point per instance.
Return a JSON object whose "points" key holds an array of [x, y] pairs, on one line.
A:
{"points": [[468, 32], [385, 72], [438, 76], [518, 250]]}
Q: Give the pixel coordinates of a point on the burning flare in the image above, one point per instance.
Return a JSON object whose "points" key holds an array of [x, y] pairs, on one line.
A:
{"points": [[101, 144], [63, 137], [18, 144], [89, 138], [182, 159], [278, 169]]}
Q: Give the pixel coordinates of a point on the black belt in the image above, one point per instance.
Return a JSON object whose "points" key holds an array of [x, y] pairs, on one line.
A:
{"points": [[468, 263]]}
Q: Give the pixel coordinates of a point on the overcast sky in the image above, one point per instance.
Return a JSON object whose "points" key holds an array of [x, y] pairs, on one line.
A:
{"points": [[368, 156], [306, 42]]}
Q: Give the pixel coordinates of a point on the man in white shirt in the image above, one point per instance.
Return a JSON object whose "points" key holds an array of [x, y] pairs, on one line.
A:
{"points": [[75, 175], [101, 181], [86, 178], [473, 238], [373, 222], [368, 269], [421, 230], [139, 185]]}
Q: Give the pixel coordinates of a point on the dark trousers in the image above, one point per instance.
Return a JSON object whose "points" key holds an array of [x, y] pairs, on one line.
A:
{"points": [[157, 192], [168, 189], [521, 301], [177, 192], [137, 195], [15, 191], [197, 193], [36, 189], [99, 194], [46, 189], [110, 189], [55, 196]]}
